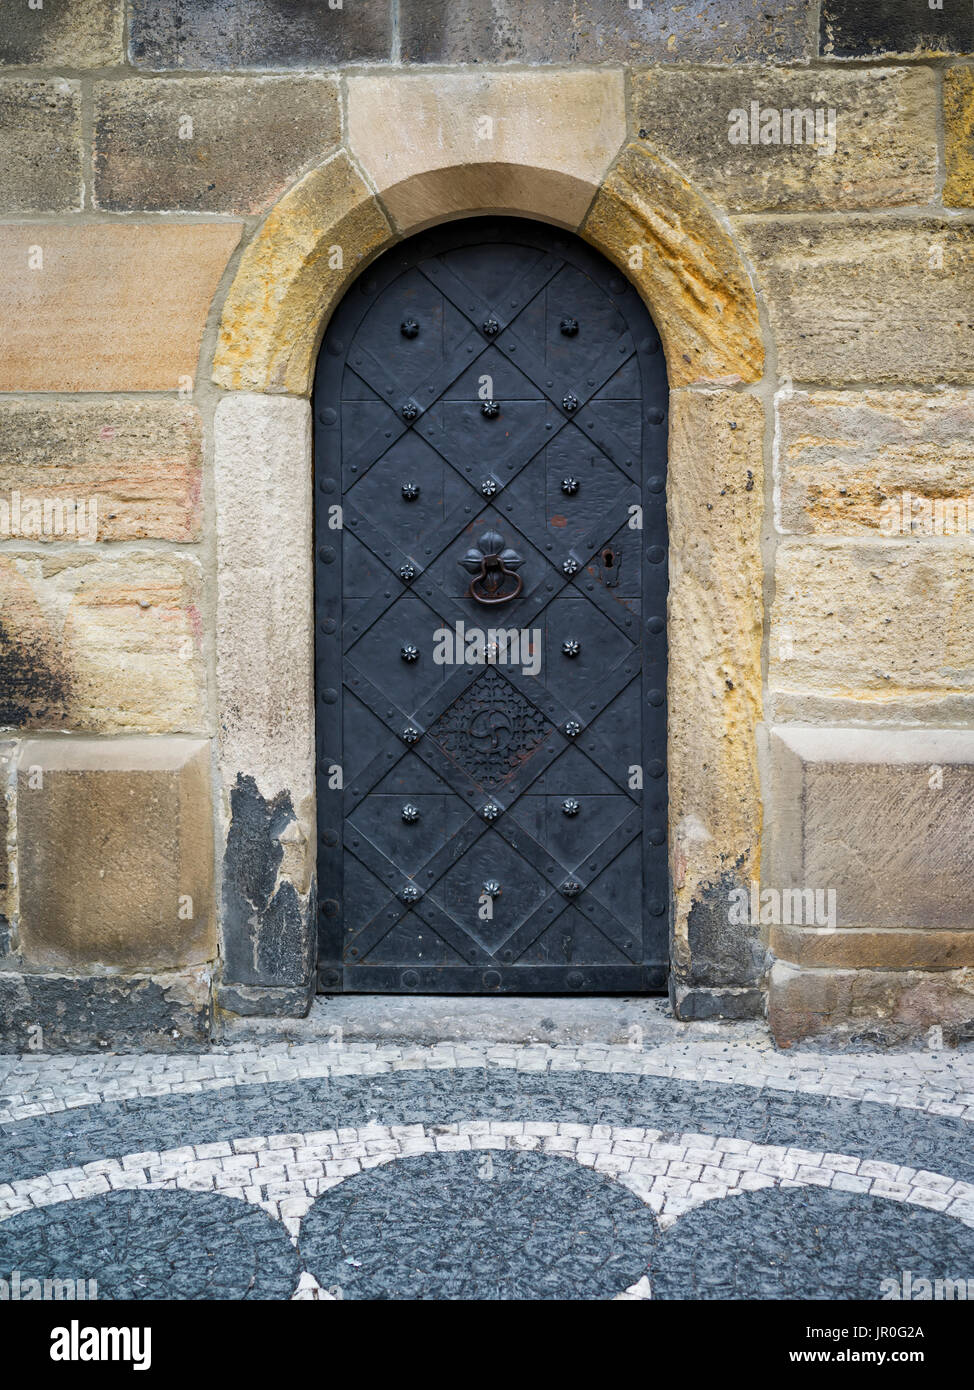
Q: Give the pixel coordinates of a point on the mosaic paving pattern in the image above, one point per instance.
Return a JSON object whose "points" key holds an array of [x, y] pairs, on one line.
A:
{"points": [[812, 1244], [150, 1245], [493, 1226], [485, 1172]]}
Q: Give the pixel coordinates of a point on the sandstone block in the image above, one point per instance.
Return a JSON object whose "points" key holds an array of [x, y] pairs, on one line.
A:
{"points": [[870, 300], [873, 1006], [876, 133], [292, 275], [106, 307], [885, 819], [219, 144], [135, 467], [115, 854], [875, 462], [649, 220], [860, 948], [959, 137], [265, 672], [876, 629], [40, 145], [715, 624], [101, 642], [84, 34], [530, 142]]}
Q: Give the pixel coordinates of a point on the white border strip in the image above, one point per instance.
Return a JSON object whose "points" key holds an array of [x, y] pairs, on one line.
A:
{"points": [[924, 1081]]}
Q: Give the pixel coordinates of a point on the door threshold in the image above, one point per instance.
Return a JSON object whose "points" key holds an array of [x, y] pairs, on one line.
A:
{"points": [[424, 1020]]}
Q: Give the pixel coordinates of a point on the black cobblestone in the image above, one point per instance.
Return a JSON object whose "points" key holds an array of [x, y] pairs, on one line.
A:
{"points": [[154, 1245], [808, 1243], [484, 1226], [861, 1128]]}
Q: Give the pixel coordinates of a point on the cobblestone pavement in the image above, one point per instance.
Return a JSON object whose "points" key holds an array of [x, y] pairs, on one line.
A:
{"points": [[707, 1166]]}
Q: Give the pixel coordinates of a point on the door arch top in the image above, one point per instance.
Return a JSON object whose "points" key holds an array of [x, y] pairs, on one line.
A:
{"points": [[640, 212]]}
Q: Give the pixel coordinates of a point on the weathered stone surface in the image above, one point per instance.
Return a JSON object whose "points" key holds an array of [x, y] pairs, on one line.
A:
{"points": [[108, 307], [101, 643], [115, 854], [265, 677], [292, 275], [883, 1007], [591, 31], [265, 637], [258, 33], [82, 34], [959, 137], [40, 145], [874, 629], [867, 299], [650, 221], [844, 461], [850, 29], [883, 817], [693, 1005], [168, 1012], [247, 1001], [536, 143], [861, 949], [134, 466], [220, 144], [882, 150], [714, 687], [268, 930]]}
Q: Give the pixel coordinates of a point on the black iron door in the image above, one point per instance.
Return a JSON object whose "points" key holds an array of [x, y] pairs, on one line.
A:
{"points": [[490, 459]]}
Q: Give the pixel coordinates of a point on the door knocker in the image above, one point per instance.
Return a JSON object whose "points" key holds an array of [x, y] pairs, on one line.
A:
{"points": [[493, 566]]}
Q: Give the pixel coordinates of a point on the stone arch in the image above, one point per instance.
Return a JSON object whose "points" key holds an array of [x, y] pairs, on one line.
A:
{"points": [[644, 216]]}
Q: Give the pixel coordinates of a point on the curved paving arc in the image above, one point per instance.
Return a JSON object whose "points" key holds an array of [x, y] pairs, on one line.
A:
{"points": [[933, 1082], [677, 1145], [284, 1173]]}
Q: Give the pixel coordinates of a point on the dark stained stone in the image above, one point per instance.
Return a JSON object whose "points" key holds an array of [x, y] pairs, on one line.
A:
{"points": [[34, 679], [258, 33], [723, 953], [254, 1001], [867, 28], [7, 752], [77, 1014], [591, 31], [693, 1005], [267, 930]]}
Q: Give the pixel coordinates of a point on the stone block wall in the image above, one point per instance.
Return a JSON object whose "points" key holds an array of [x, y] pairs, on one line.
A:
{"points": [[166, 170]]}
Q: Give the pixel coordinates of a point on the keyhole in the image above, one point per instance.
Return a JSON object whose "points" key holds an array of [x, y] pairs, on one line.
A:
{"points": [[608, 559]]}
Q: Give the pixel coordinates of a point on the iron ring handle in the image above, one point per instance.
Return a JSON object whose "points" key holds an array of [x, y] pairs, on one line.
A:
{"points": [[493, 562]]}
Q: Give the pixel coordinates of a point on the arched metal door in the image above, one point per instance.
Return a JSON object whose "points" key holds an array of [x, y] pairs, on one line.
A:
{"points": [[490, 461]]}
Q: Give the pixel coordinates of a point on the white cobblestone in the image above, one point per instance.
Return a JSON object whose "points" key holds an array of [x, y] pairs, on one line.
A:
{"points": [[940, 1083]]}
